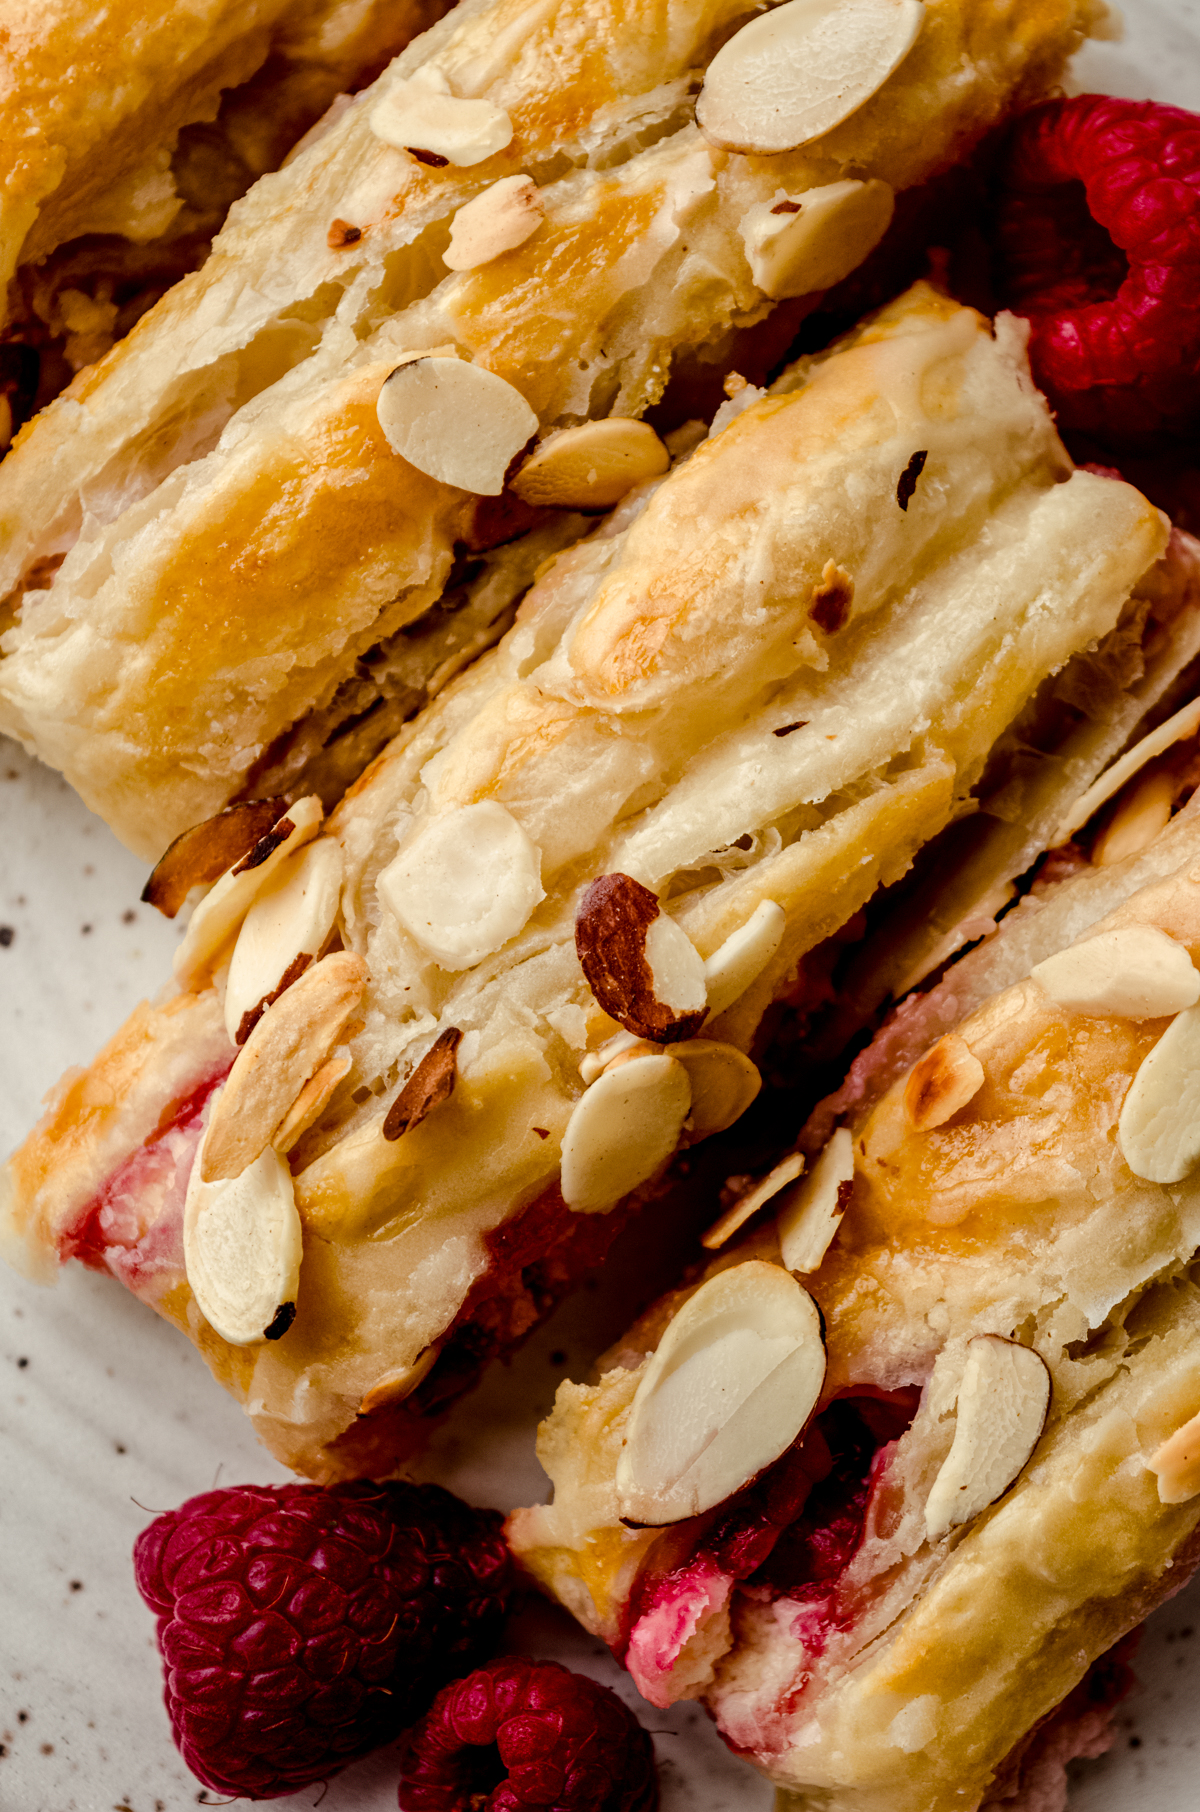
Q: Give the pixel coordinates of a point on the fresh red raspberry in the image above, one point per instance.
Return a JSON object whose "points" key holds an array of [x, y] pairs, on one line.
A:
{"points": [[1099, 241], [301, 1627], [520, 1734]]}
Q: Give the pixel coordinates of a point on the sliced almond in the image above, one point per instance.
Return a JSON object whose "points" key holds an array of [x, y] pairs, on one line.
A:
{"points": [[593, 466], [456, 422], [398, 1385], [794, 73], [283, 932], [208, 940], [431, 1083], [813, 1211], [242, 1247], [201, 855], [502, 217], [741, 959], [1177, 1464], [1003, 1401], [289, 1045], [309, 1104], [1159, 1126], [735, 1378], [799, 243], [724, 1084], [749, 1204], [941, 1082], [1137, 821], [594, 1063], [621, 1130], [1137, 972], [642, 967], [436, 127], [463, 883]]}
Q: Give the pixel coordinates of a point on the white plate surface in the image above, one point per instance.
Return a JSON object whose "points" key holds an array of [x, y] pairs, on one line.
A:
{"points": [[107, 1414]]}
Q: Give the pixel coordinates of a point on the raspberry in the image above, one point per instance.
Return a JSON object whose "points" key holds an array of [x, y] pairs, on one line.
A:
{"points": [[1099, 240], [301, 1627], [519, 1734]]}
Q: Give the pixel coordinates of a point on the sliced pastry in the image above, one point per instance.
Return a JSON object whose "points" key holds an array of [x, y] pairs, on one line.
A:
{"points": [[508, 240], [423, 1057]]}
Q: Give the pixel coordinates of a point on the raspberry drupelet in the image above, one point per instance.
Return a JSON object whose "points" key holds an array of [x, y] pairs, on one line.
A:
{"points": [[301, 1627], [518, 1735], [1099, 244]]}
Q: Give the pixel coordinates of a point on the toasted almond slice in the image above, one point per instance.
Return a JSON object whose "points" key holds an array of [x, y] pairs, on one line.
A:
{"points": [[242, 1247], [799, 243], [796, 72], [941, 1082], [464, 882], [741, 959], [1136, 972], [724, 1083], [431, 1083], [812, 1212], [1003, 1401], [593, 466], [201, 855], [1185, 722], [1138, 820], [621, 1130], [736, 1376], [398, 1385], [309, 1104], [423, 118], [283, 932], [502, 217], [289, 1044], [1159, 1126], [457, 422], [748, 1205], [1177, 1464], [208, 940], [642, 967]]}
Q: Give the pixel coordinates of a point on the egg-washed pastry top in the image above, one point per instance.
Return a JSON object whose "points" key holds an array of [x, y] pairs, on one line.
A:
{"points": [[718, 725], [129, 129], [999, 1477], [210, 533]]}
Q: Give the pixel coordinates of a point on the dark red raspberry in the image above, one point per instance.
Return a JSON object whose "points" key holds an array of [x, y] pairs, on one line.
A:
{"points": [[301, 1627], [1099, 240], [519, 1734]]}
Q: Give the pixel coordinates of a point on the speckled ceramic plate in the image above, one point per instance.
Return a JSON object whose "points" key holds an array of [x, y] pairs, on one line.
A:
{"points": [[108, 1415]]}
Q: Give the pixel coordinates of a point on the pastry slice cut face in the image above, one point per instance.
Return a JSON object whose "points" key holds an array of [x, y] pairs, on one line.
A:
{"points": [[999, 1479], [206, 538], [525, 961], [129, 138]]}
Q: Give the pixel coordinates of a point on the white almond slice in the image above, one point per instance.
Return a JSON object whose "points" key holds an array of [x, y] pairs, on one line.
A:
{"points": [[242, 1247], [592, 466], [799, 243], [1159, 1127], [215, 921], [796, 72], [813, 1211], [283, 932], [1185, 722], [1177, 1464], [1137, 972], [309, 1104], [735, 1378], [594, 1063], [437, 127], [676, 967], [502, 217], [1137, 821], [287, 1047], [741, 959], [456, 422], [621, 1130], [1002, 1405], [749, 1204], [463, 883], [724, 1083], [941, 1083]]}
